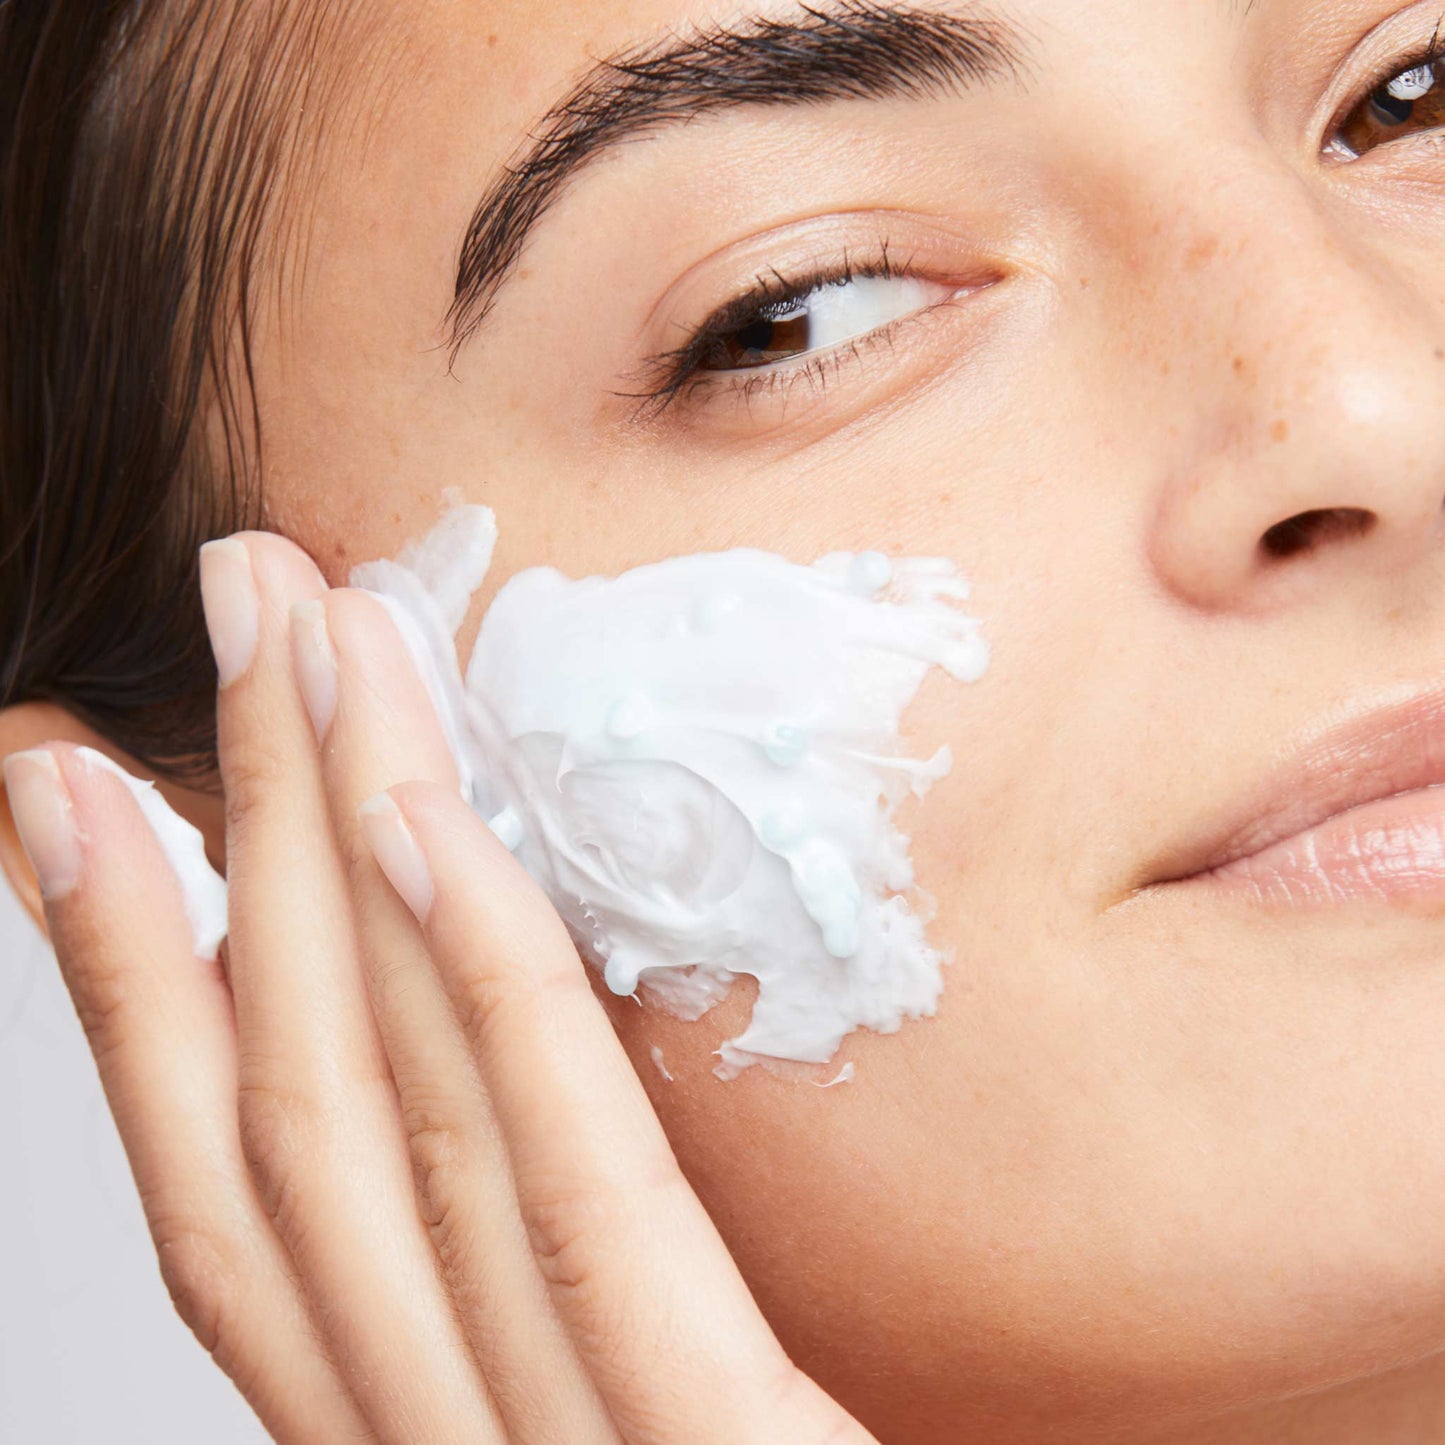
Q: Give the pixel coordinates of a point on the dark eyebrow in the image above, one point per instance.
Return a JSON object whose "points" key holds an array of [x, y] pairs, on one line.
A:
{"points": [[847, 50]]}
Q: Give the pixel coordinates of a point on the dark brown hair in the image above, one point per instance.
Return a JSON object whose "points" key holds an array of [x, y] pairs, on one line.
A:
{"points": [[142, 154]]}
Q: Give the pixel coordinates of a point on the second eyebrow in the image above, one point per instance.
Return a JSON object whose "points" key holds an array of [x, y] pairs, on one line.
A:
{"points": [[849, 50]]}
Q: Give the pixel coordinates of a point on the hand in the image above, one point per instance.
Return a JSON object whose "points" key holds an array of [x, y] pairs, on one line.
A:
{"points": [[402, 1180]]}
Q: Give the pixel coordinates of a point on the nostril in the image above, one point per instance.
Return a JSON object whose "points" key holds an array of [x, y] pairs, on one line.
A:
{"points": [[1310, 529]]}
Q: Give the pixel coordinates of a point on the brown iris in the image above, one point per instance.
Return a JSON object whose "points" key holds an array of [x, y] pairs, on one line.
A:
{"points": [[774, 333], [1410, 101]]}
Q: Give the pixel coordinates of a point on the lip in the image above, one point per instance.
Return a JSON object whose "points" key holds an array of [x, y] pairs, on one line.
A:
{"points": [[1353, 809]]}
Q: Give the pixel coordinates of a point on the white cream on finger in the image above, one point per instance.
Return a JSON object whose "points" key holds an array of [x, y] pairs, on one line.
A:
{"points": [[699, 761], [203, 889]]}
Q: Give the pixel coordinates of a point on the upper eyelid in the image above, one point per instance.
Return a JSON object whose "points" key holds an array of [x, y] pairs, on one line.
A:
{"points": [[762, 292], [1394, 58], [781, 373], [784, 373], [1431, 50], [746, 303]]}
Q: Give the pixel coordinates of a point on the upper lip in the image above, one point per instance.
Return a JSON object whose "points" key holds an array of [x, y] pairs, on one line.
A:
{"points": [[1368, 756]]}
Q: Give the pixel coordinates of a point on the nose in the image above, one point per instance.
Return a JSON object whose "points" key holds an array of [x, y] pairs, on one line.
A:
{"points": [[1309, 407]]}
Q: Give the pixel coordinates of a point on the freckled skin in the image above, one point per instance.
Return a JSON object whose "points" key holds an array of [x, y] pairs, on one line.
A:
{"points": [[1146, 1166]]}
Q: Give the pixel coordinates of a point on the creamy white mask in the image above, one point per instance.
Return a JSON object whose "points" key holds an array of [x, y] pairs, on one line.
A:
{"points": [[699, 762], [203, 888]]}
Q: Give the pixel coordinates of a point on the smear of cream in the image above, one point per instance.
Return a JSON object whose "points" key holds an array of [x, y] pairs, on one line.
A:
{"points": [[203, 889], [699, 761]]}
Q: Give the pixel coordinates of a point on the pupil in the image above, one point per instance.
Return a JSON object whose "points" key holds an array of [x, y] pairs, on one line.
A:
{"points": [[756, 335], [1391, 109]]}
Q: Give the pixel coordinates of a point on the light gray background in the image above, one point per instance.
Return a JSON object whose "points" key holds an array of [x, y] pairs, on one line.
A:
{"points": [[91, 1349]]}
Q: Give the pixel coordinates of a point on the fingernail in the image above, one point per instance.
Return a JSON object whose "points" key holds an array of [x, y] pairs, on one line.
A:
{"points": [[228, 595], [314, 661], [45, 820], [397, 852]]}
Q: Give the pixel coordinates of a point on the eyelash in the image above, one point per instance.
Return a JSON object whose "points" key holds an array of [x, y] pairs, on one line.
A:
{"points": [[674, 375]]}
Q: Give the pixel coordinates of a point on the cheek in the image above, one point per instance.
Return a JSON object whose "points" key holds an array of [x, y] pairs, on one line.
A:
{"points": [[952, 1235], [1064, 1192]]}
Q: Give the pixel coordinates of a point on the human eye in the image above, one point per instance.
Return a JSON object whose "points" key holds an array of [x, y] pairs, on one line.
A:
{"points": [[1408, 100], [784, 329]]}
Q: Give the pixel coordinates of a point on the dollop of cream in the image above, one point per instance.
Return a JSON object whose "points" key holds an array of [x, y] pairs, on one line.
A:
{"points": [[699, 761], [203, 889]]}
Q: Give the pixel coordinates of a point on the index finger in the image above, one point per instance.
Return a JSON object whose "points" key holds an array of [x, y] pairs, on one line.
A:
{"points": [[635, 1265]]}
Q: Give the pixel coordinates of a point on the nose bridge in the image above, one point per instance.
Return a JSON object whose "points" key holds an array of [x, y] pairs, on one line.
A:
{"points": [[1288, 312], [1302, 371]]}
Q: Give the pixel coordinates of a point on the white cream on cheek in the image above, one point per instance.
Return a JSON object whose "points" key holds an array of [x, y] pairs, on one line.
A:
{"points": [[699, 762]]}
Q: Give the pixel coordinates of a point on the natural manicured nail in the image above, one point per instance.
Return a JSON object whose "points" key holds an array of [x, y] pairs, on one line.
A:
{"points": [[397, 852], [233, 611], [45, 820], [314, 661]]}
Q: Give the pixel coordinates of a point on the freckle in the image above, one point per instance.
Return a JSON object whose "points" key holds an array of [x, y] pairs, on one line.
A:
{"points": [[1237, 362], [491, 40], [944, 498], [1200, 252], [1280, 430], [1165, 367], [1083, 283]]}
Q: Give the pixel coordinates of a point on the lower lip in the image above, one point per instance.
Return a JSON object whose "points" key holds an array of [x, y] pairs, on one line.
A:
{"points": [[1393, 848]]}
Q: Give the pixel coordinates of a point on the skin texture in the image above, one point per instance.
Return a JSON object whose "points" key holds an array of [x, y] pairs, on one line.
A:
{"points": [[1159, 1169]]}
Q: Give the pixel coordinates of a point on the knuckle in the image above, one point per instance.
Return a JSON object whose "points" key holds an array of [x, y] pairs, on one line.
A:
{"points": [[200, 1273], [437, 1162], [575, 1222], [518, 1004], [277, 1129], [104, 998], [255, 775], [444, 1179], [561, 1232]]}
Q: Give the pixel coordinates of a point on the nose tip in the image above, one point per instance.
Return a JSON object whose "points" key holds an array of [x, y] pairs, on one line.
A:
{"points": [[1332, 458]]}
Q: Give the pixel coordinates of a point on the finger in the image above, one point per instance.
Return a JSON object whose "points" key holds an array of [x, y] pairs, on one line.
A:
{"points": [[379, 727], [159, 1022], [319, 1117], [637, 1270]]}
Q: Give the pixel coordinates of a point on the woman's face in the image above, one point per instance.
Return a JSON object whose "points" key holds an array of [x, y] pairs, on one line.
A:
{"points": [[1164, 1149]]}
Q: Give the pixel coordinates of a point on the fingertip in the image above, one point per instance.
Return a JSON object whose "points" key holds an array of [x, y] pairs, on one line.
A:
{"points": [[285, 572], [439, 813], [470, 855], [397, 852], [356, 615], [45, 821], [313, 660]]}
